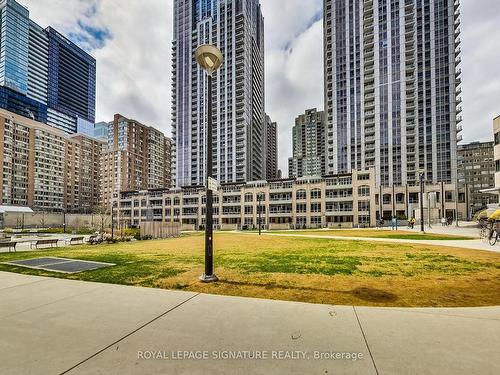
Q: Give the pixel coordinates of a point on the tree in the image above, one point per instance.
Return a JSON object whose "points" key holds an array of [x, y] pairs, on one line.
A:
{"points": [[42, 220], [103, 216]]}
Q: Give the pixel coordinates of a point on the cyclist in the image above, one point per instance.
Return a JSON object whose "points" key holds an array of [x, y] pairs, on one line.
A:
{"points": [[494, 221]]}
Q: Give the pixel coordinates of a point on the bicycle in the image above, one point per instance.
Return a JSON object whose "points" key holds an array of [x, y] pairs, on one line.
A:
{"points": [[492, 240], [485, 229], [494, 233]]}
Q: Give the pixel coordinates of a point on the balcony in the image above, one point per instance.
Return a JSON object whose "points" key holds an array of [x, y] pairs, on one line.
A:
{"points": [[370, 96], [369, 122], [370, 114], [370, 105]]}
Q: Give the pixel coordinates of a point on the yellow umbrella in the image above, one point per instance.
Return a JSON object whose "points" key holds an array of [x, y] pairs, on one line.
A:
{"points": [[495, 215], [481, 215]]}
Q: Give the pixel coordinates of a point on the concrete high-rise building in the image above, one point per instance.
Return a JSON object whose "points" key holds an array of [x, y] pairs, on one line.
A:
{"points": [[45, 168], [271, 149], [136, 157], [308, 145], [43, 75], [83, 173], [237, 28], [392, 88], [476, 169]]}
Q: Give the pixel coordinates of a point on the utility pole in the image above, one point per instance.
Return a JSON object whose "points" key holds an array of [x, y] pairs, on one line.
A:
{"points": [[260, 213], [112, 221], [421, 200]]}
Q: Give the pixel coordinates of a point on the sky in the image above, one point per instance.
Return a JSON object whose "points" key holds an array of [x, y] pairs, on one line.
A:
{"points": [[131, 41]]}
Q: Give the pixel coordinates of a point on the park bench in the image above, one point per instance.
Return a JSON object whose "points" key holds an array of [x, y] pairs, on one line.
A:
{"points": [[76, 240], [10, 245], [50, 242]]}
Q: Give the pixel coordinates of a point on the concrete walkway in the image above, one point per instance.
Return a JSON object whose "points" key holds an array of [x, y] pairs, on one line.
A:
{"points": [[464, 244], [24, 243], [54, 326]]}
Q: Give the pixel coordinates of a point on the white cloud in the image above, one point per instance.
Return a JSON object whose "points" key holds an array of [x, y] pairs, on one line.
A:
{"points": [[134, 64], [481, 67], [297, 84], [134, 73]]}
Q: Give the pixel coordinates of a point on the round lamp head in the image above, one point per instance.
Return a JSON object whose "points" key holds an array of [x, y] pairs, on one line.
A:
{"points": [[209, 57]]}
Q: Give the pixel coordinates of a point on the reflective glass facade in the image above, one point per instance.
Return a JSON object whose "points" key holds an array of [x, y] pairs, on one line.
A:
{"points": [[72, 78], [14, 21], [43, 75]]}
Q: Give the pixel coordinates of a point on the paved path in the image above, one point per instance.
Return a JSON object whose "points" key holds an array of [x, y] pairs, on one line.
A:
{"points": [[24, 242], [465, 244], [465, 228], [55, 326]]}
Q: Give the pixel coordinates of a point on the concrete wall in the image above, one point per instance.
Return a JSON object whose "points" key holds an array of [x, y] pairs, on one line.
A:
{"points": [[54, 220]]}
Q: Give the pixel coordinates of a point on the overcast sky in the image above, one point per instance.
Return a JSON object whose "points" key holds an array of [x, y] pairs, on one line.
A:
{"points": [[131, 41]]}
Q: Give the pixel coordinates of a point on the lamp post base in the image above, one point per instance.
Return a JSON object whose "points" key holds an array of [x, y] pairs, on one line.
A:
{"points": [[209, 278]]}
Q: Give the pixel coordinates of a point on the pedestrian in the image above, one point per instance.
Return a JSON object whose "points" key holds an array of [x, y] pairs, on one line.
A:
{"points": [[443, 221], [413, 221], [394, 223]]}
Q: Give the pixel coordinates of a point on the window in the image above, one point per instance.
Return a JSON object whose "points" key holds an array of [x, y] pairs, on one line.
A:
{"points": [[301, 195], [301, 208], [316, 194], [315, 207], [364, 191], [364, 206]]}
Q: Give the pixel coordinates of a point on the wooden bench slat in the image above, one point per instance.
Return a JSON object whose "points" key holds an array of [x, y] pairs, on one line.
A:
{"points": [[46, 242]]}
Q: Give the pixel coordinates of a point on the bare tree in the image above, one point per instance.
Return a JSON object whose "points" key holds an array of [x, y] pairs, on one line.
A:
{"points": [[102, 213], [42, 220]]}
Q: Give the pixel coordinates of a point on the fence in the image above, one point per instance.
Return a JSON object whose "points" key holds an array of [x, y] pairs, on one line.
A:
{"points": [[17, 220], [158, 229]]}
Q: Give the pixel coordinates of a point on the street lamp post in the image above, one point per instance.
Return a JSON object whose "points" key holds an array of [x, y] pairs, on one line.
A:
{"points": [[210, 59], [64, 220], [421, 173], [260, 212], [112, 221]]}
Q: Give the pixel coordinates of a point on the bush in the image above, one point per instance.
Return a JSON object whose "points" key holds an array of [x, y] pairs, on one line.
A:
{"points": [[131, 232], [52, 230]]}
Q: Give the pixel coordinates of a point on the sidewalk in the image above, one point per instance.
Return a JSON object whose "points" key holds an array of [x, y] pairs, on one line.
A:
{"points": [[55, 326], [463, 244]]}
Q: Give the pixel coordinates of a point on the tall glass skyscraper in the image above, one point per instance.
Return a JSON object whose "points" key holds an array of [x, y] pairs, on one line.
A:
{"points": [[43, 75], [236, 27], [392, 88]]}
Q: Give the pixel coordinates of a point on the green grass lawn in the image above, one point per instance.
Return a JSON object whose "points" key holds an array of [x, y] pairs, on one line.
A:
{"points": [[375, 233], [295, 268]]}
